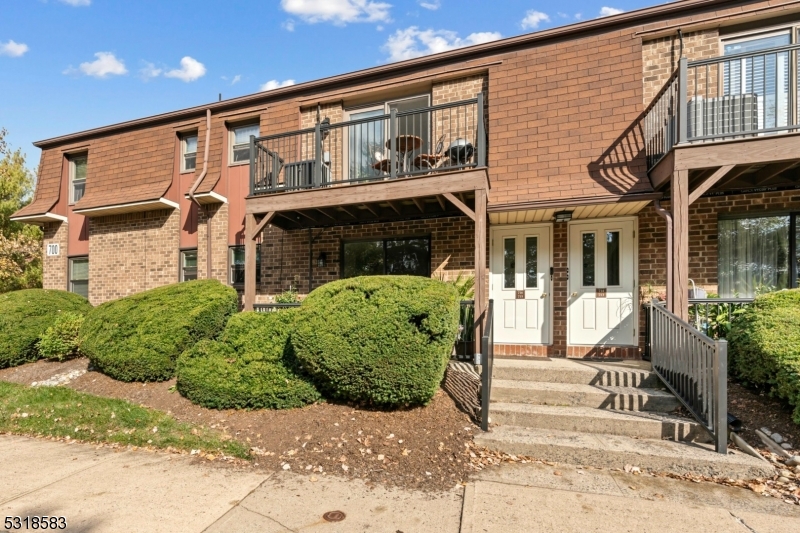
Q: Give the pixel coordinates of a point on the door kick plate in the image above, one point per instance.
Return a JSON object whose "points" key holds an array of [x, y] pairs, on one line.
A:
{"points": [[520, 295], [600, 293]]}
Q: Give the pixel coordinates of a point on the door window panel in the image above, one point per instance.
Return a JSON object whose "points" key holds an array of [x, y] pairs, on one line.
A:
{"points": [[588, 275], [365, 144], [509, 267], [407, 257], [531, 262], [612, 257]]}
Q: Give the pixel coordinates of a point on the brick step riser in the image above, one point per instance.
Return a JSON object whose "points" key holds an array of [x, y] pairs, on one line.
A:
{"points": [[618, 459], [644, 429], [598, 400], [607, 379]]}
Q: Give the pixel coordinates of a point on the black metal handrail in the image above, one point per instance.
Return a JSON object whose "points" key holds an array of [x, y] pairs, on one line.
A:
{"points": [[487, 362], [465, 339], [727, 97], [434, 139], [694, 368], [271, 308]]}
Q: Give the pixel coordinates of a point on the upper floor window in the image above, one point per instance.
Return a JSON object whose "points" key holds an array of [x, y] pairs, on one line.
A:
{"points": [[77, 178], [240, 143], [188, 153]]}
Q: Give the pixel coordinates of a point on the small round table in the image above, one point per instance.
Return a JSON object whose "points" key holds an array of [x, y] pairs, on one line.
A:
{"points": [[427, 161], [405, 144]]}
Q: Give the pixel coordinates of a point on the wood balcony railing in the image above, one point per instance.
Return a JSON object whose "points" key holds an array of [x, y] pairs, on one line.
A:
{"points": [[750, 94], [435, 139]]}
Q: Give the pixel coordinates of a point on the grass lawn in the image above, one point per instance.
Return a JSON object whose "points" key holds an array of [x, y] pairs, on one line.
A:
{"points": [[62, 412]]}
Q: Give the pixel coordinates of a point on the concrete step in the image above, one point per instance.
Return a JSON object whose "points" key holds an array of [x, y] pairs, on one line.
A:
{"points": [[615, 451], [645, 425], [572, 394], [613, 374]]}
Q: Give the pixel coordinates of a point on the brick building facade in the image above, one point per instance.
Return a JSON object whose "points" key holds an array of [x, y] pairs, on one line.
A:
{"points": [[568, 127]]}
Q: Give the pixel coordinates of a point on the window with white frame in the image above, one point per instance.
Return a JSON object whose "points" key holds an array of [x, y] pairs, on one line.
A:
{"points": [[79, 276], [188, 153], [188, 265], [761, 73], [240, 143], [77, 178]]}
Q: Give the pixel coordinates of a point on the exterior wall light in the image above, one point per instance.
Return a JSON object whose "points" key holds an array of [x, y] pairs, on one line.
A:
{"points": [[322, 259], [563, 216]]}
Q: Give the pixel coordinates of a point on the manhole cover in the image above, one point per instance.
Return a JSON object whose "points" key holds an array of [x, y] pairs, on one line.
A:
{"points": [[334, 516]]}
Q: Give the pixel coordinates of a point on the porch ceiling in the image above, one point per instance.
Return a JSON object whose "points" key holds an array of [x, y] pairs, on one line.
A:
{"points": [[372, 212], [617, 209]]}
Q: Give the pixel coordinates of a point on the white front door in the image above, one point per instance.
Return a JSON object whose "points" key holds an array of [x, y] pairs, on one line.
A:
{"points": [[520, 284], [602, 284]]}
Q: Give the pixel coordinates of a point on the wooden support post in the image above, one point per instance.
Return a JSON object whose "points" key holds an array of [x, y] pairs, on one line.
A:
{"points": [[480, 264], [249, 262], [679, 198]]}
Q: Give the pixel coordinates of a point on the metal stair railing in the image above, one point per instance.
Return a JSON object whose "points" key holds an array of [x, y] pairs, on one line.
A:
{"points": [[694, 368]]}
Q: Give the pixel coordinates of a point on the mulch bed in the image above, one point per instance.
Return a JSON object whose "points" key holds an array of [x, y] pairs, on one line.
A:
{"points": [[424, 448], [757, 410]]}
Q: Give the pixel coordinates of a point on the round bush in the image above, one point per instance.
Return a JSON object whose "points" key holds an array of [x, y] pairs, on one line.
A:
{"points": [[252, 366], [25, 316], [764, 345], [378, 340], [139, 337], [60, 341]]}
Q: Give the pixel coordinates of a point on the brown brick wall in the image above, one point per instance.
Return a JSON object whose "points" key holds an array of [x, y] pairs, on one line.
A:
{"points": [[131, 253], [285, 254], [55, 267], [217, 216], [660, 57], [703, 216]]}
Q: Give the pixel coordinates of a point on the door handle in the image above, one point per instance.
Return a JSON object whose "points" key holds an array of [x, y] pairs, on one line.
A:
{"points": [[544, 295], [574, 294]]}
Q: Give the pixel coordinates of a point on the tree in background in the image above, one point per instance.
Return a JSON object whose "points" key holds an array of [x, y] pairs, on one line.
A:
{"points": [[20, 244]]}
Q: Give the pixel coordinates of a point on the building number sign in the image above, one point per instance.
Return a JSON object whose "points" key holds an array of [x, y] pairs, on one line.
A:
{"points": [[53, 249]]}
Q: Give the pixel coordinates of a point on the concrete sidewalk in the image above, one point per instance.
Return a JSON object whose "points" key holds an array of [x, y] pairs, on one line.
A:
{"points": [[100, 490]]}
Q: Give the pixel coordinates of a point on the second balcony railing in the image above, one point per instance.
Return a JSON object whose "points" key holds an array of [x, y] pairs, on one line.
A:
{"points": [[434, 139]]}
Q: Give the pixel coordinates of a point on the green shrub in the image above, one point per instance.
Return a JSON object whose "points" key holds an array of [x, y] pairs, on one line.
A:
{"points": [[139, 337], [60, 341], [379, 340], [25, 315], [764, 346], [252, 365]]}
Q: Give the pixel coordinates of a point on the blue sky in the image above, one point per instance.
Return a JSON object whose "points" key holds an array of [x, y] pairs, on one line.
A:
{"points": [[71, 65]]}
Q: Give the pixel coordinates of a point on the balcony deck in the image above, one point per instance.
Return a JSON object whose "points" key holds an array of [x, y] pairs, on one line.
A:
{"points": [[730, 122]]}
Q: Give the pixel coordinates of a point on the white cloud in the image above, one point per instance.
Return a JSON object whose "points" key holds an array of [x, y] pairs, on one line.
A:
{"points": [[288, 25], [236, 79], [275, 84], [77, 3], [432, 5], [338, 11], [149, 71], [191, 70], [413, 42], [104, 66], [608, 11], [533, 19], [13, 49]]}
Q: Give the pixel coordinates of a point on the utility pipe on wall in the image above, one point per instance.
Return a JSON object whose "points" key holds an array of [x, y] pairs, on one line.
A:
{"points": [[194, 187], [666, 215]]}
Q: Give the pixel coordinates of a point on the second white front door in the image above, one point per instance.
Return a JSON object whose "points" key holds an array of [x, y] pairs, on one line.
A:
{"points": [[520, 284], [602, 282]]}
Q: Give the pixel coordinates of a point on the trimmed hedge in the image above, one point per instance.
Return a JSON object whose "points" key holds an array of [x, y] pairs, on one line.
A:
{"points": [[25, 315], [378, 340], [60, 341], [139, 337], [252, 366], [764, 346]]}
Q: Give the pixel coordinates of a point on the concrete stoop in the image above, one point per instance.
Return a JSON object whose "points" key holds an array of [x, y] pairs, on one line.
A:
{"points": [[615, 451], [608, 414]]}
